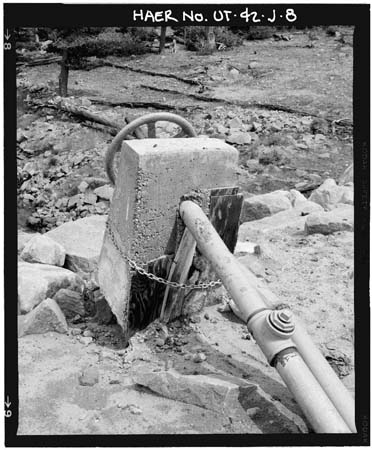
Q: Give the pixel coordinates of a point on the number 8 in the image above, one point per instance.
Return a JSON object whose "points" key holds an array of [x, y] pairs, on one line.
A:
{"points": [[7, 46]]}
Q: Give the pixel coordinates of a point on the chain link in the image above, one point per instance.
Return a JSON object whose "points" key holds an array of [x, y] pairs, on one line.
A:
{"points": [[151, 276]]}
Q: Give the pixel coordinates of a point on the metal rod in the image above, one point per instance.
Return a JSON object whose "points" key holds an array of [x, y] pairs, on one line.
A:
{"points": [[317, 407]]}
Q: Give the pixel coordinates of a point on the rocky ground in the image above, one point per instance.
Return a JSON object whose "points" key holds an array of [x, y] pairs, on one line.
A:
{"points": [[296, 236]]}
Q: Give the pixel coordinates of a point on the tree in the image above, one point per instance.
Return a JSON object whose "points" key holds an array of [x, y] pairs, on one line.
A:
{"points": [[76, 45], [210, 45], [163, 34]]}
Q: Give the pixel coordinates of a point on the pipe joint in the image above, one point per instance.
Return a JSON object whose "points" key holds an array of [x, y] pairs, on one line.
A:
{"points": [[272, 330]]}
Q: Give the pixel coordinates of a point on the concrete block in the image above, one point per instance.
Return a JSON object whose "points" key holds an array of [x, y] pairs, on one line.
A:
{"points": [[153, 175]]}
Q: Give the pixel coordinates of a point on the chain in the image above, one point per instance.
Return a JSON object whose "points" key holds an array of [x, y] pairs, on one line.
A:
{"points": [[151, 276]]}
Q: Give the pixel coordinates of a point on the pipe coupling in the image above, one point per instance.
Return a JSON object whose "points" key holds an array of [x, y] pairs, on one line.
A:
{"points": [[272, 330]]}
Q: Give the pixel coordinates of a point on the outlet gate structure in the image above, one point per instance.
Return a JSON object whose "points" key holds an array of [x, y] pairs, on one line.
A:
{"points": [[169, 242]]}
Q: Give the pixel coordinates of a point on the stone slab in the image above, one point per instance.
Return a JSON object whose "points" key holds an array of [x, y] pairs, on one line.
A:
{"points": [[339, 219], [47, 316], [82, 240]]}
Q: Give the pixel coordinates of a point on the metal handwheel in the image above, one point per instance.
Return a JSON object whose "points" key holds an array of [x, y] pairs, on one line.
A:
{"points": [[149, 120]]}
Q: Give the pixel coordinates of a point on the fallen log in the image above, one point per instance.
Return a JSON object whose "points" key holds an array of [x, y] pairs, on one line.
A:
{"points": [[244, 104], [39, 62], [149, 72], [82, 113], [136, 104]]}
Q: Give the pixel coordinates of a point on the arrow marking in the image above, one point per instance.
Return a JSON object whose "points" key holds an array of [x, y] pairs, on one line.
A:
{"points": [[7, 403], [7, 35]]}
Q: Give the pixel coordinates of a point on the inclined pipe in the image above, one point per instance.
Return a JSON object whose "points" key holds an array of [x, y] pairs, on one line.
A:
{"points": [[323, 372], [276, 345]]}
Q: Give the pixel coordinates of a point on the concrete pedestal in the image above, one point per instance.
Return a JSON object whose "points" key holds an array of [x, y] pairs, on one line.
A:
{"points": [[153, 175]]}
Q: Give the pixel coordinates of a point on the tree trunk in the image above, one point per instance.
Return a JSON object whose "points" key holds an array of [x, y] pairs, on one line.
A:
{"points": [[211, 39], [63, 76], [163, 33]]}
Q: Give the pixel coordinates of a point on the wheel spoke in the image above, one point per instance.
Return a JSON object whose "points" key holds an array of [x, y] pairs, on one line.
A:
{"points": [[151, 130]]}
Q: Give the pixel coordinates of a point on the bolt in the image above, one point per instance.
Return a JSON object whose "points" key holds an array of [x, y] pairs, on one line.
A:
{"points": [[285, 315]]}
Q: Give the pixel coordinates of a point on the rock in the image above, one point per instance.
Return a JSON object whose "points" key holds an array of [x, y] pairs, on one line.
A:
{"points": [[347, 176], [221, 129], [104, 315], [88, 333], [36, 282], [247, 247], [159, 342], [235, 123], [133, 409], [71, 302], [199, 357], [85, 102], [329, 194], [325, 155], [339, 219], [239, 138], [290, 218], [296, 197], [86, 340], [82, 240], [212, 392], [104, 192], [308, 207], [253, 166], [90, 198], [348, 196], [75, 331], [89, 377], [23, 238], [83, 186], [264, 205], [42, 249], [47, 316]]}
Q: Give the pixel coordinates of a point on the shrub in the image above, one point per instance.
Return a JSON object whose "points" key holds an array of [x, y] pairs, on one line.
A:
{"points": [[258, 33]]}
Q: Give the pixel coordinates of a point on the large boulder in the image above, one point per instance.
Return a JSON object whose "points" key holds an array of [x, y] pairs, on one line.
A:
{"points": [[23, 238], [70, 302], [293, 218], [347, 176], [36, 282], [339, 219], [42, 249], [260, 206], [328, 195], [105, 192], [47, 316], [82, 240]]}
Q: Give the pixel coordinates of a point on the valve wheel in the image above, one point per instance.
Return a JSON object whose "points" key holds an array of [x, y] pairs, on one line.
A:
{"points": [[149, 120]]}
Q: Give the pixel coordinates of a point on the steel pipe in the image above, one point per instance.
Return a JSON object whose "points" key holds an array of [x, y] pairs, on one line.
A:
{"points": [[323, 372], [317, 407]]}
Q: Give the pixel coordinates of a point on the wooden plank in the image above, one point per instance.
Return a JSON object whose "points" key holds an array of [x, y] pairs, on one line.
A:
{"points": [[179, 273], [224, 216], [224, 212]]}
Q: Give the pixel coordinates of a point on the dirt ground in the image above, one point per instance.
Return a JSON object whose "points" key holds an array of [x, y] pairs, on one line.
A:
{"points": [[314, 275]]}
